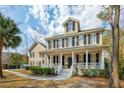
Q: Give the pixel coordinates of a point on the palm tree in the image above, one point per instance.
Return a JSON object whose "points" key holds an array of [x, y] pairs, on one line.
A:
{"points": [[9, 36]]}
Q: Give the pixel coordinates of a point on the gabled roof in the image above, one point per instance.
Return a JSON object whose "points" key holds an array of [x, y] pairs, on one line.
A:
{"points": [[35, 43], [70, 19]]}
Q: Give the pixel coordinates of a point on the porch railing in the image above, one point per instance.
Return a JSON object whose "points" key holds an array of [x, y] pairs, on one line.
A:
{"points": [[91, 65], [59, 68]]}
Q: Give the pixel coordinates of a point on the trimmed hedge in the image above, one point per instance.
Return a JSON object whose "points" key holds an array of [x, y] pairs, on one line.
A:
{"points": [[94, 72], [42, 71]]}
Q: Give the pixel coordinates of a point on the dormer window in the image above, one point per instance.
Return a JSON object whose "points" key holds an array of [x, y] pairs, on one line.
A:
{"points": [[70, 26]]}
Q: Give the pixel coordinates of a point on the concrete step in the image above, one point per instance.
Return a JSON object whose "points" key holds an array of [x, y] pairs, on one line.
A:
{"points": [[65, 73]]}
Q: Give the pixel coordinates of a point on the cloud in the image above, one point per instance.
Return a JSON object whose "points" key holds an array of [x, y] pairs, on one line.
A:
{"points": [[52, 17], [27, 17]]}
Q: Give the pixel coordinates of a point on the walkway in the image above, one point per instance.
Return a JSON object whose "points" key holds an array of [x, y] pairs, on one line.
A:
{"points": [[64, 74]]}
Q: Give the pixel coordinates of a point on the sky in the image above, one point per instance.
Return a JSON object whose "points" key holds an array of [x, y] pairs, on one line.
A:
{"points": [[37, 22]]}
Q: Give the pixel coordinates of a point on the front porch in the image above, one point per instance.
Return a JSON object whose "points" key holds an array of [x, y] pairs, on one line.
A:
{"points": [[88, 59]]}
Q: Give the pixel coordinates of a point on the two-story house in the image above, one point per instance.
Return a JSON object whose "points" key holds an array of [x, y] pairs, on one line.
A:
{"points": [[82, 48]]}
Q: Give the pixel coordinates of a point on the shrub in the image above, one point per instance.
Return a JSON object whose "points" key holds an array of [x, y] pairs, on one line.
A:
{"points": [[121, 73], [27, 68], [94, 72], [42, 71]]}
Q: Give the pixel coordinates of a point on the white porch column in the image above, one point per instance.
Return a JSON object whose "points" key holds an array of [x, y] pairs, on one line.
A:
{"points": [[50, 60], [65, 42], [73, 59], [86, 59], [101, 38], [61, 58], [103, 58], [47, 59], [41, 60]]}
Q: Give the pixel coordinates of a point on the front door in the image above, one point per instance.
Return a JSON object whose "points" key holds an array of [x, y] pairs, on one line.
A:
{"points": [[69, 62], [63, 58]]}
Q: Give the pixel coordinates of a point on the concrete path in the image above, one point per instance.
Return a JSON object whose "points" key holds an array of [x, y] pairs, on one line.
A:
{"points": [[64, 74]]}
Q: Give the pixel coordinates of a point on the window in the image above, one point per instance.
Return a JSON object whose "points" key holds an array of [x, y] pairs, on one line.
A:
{"points": [[63, 60], [33, 55], [49, 58], [89, 39], [40, 54], [57, 43], [84, 58], [77, 58], [67, 27], [62, 42], [89, 58], [85, 40], [30, 63], [73, 41], [39, 63], [97, 58], [42, 61], [70, 26], [30, 54], [57, 60], [49, 44], [66, 42], [77, 40], [53, 43], [80, 40], [97, 38], [54, 59]]}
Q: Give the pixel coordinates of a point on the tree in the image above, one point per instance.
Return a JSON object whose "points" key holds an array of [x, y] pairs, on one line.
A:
{"points": [[16, 60], [8, 36], [111, 14]]}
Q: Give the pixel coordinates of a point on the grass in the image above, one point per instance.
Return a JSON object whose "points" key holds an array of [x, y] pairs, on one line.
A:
{"points": [[12, 81], [28, 72]]}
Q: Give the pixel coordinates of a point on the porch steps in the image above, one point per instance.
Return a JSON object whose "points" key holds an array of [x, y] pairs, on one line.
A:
{"points": [[65, 74]]}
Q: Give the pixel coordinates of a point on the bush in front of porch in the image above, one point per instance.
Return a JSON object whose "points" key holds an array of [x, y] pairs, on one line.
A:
{"points": [[42, 71], [94, 72]]}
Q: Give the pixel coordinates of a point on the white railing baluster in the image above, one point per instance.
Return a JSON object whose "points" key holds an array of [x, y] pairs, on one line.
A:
{"points": [[92, 65]]}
